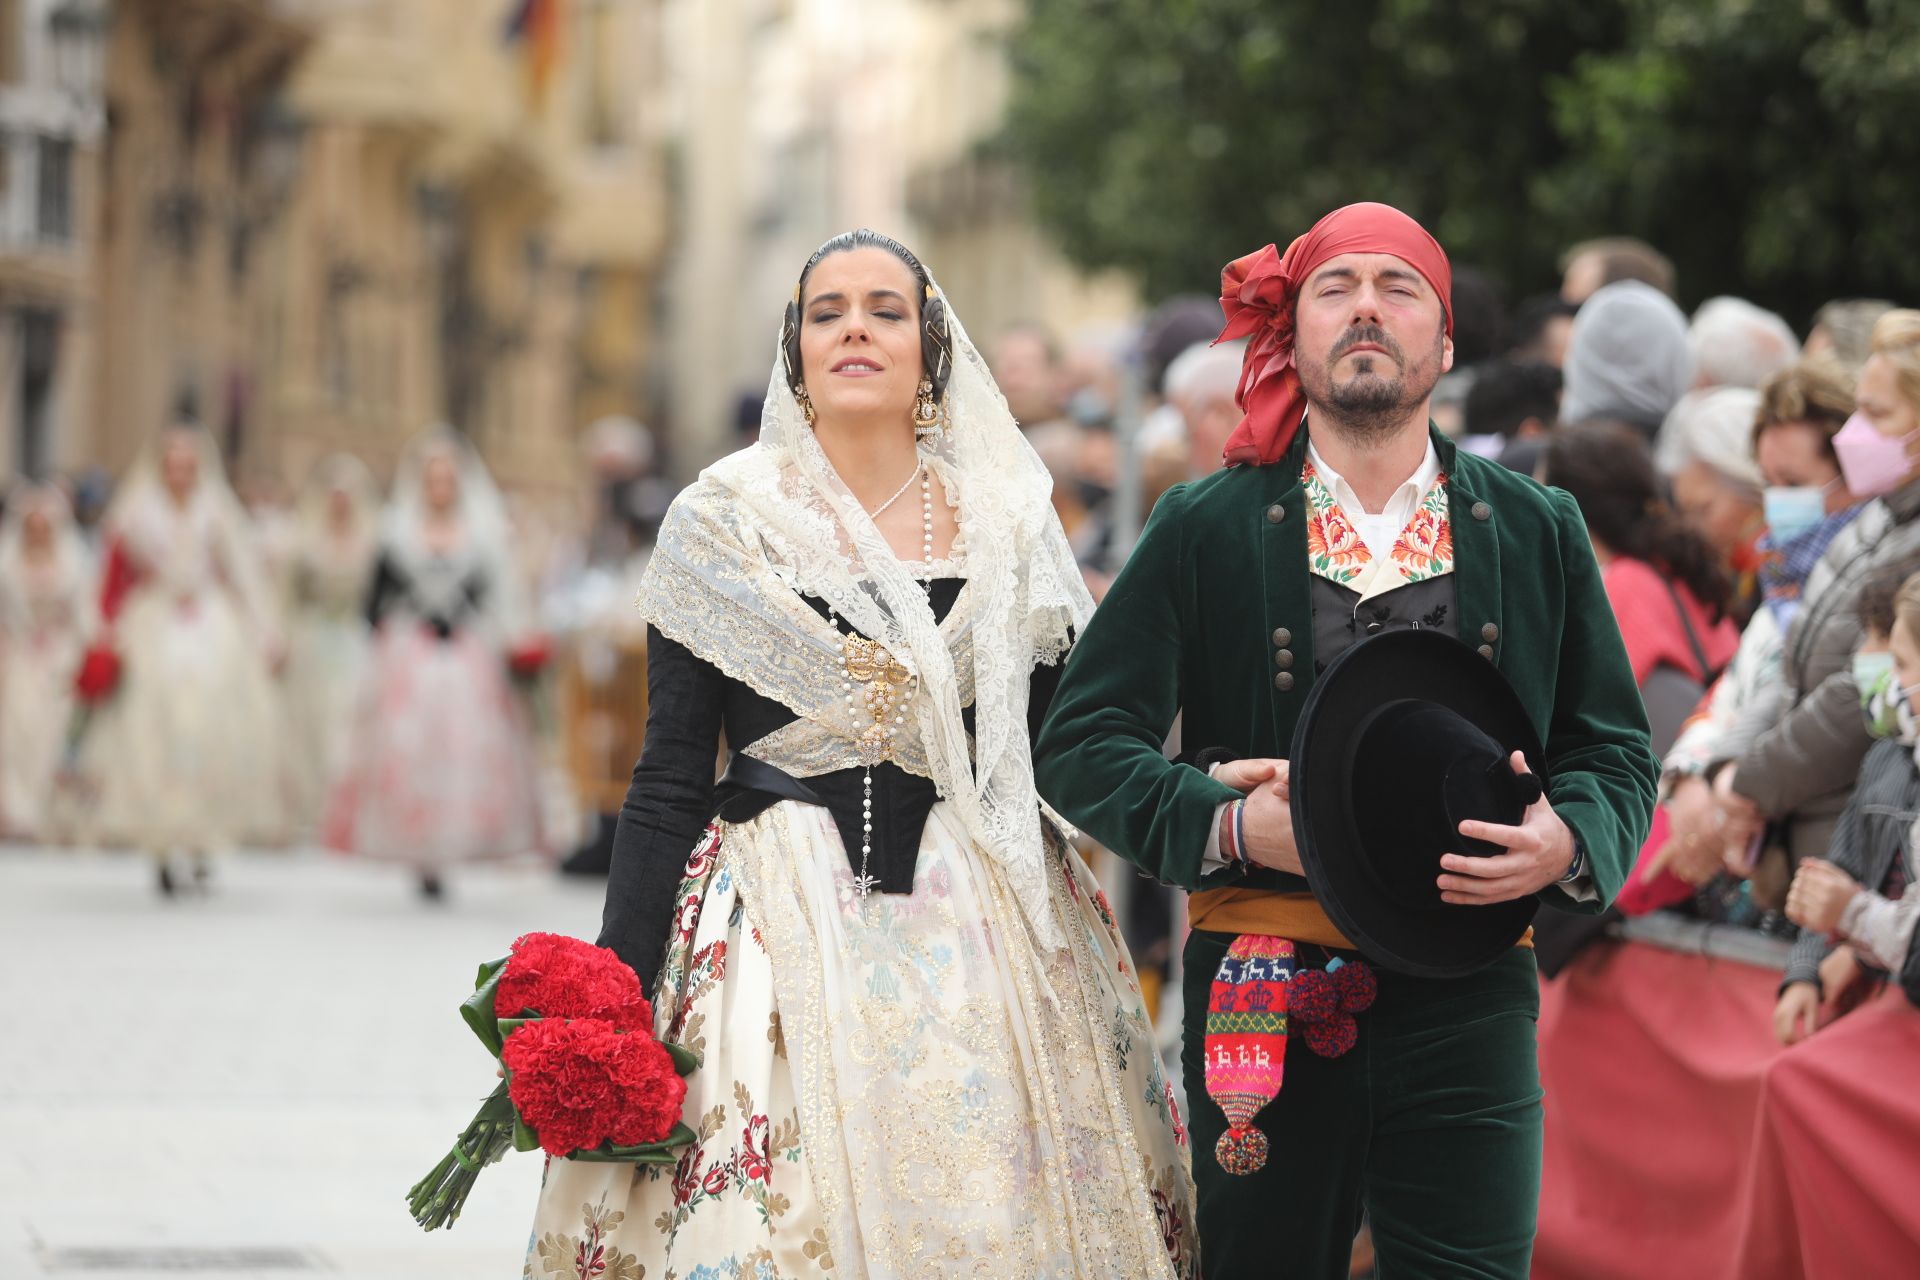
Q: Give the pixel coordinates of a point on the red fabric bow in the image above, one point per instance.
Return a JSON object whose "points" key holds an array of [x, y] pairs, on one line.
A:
{"points": [[1257, 294]]}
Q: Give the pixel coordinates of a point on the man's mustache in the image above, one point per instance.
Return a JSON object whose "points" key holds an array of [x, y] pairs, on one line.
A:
{"points": [[1368, 336]]}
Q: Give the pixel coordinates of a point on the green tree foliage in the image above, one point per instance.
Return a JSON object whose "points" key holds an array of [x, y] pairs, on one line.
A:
{"points": [[1771, 147]]}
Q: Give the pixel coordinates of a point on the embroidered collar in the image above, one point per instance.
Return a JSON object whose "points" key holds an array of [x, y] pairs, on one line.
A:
{"points": [[1336, 552]]}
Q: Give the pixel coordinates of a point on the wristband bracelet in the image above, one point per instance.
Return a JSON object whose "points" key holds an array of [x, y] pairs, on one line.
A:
{"points": [[1578, 865], [1240, 829]]}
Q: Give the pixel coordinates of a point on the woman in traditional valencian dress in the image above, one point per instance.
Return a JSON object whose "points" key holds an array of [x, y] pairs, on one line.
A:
{"points": [[441, 767], [925, 1052], [186, 750], [46, 617], [330, 566]]}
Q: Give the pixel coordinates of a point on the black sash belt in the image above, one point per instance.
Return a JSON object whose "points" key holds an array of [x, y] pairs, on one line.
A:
{"points": [[901, 802]]}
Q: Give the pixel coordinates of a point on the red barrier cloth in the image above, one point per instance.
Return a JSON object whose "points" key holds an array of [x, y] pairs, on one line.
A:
{"points": [[1651, 1061], [1682, 1141], [1832, 1194]]}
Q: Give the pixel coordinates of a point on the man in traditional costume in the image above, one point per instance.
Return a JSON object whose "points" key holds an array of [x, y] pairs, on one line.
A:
{"points": [[1412, 1090]]}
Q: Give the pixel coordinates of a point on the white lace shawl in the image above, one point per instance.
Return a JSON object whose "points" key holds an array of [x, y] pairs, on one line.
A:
{"points": [[774, 519]]}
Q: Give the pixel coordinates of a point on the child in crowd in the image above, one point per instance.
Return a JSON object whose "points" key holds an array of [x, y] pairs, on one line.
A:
{"points": [[1847, 930]]}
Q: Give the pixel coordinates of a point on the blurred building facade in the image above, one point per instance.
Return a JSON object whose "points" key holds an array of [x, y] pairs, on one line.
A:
{"points": [[327, 224], [52, 121], [873, 113]]}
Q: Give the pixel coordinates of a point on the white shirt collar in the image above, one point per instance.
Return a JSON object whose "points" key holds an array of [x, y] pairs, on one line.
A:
{"points": [[1400, 507]]}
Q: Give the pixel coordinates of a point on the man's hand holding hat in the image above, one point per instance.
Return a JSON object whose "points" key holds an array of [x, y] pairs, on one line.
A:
{"points": [[1267, 822], [1540, 852]]}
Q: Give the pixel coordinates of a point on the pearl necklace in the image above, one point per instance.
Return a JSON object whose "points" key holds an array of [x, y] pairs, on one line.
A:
{"points": [[918, 468], [869, 672]]}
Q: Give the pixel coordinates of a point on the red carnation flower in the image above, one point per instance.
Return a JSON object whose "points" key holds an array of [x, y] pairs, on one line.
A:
{"points": [[530, 658], [99, 674], [554, 976], [584, 1082]]}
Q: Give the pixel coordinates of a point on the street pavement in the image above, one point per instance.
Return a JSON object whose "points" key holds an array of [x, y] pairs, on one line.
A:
{"points": [[246, 1084]]}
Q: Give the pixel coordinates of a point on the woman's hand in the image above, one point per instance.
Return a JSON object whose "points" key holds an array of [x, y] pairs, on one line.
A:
{"points": [[1798, 1012], [1820, 895], [1692, 850], [1740, 822]]}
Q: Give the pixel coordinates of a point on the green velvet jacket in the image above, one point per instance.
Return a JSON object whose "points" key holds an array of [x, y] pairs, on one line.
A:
{"points": [[1212, 619]]}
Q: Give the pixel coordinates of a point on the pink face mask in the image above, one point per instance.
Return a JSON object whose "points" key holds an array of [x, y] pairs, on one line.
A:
{"points": [[1872, 464]]}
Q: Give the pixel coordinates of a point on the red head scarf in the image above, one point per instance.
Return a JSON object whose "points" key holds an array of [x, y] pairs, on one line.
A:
{"points": [[1257, 293]]}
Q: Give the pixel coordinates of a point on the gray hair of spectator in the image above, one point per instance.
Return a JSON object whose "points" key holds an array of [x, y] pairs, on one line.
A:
{"points": [[1736, 344], [1848, 324], [1625, 258], [1715, 428], [1627, 357], [1205, 371]]}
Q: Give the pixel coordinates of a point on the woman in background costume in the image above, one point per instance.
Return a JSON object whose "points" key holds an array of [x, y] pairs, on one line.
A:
{"points": [[186, 751], [46, 618], [441, 768], [330, 567]]}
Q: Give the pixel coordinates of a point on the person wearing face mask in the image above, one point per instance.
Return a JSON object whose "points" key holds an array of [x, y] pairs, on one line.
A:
{"points": [[1800, 410], [1872, 841], [1790, 769]]}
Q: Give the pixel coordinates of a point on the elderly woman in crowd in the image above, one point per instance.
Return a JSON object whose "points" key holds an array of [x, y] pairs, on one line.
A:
{"points": [[1807, 506], [1734, 344], [1843, 330], [1716, 483], [1628, 358], [1797, 773]]}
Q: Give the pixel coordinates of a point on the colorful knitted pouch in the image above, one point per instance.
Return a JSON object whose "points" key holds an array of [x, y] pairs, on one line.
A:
{"points": [[1246, 1042]]}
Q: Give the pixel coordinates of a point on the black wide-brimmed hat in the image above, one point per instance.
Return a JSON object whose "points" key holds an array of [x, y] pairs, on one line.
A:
{"points": [[1404, 737]]}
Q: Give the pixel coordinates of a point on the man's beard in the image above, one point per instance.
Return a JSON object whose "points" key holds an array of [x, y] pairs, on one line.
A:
{"points": [[1369, 407]]}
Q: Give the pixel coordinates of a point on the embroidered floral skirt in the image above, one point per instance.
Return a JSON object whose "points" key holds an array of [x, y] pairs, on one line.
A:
{"points": [[440, 761], [906, 1086]]}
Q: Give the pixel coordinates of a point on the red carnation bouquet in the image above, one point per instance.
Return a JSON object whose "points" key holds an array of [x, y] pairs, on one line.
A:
{"points": [[94, 682], [529, 658], [584, 1077], [99, 674]]}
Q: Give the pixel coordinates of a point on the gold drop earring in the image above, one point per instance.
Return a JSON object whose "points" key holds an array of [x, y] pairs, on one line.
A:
{"points": [[806, 404], [926, 414]]}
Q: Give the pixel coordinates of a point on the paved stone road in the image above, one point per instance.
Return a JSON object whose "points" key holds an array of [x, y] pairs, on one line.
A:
{"points": [[246, 1085]]}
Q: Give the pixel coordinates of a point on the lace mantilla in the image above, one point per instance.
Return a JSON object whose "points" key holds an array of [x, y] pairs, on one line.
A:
{"points": [[774, 519]]}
